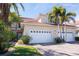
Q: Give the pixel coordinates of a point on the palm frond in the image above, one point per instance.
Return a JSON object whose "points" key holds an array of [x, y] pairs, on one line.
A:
{"points": [[62, 12], [22, 6], [71, 18], [71, 14], [15, 8]]}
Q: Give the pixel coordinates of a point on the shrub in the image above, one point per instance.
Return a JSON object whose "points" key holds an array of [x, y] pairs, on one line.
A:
{"points": [[59, 40], [25, 51], [5, 36], [13, 36], [20, 42], [77, 38], [4, 46], [25, 39]]}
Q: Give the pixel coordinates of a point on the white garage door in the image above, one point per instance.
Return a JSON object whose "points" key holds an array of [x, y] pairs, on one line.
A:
{"points": [[40, 36], [69, 37]]}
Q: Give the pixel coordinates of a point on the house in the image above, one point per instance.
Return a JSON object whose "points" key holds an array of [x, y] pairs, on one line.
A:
{"points": [[41, 31], [17, 29], [77, 28]]}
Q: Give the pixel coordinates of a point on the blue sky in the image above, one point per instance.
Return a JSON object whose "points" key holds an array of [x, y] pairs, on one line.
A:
{"points": [[34, 9]]}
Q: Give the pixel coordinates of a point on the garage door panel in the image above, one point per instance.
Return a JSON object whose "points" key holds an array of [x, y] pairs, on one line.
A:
{"points": [[41, 37], [69, 37]]}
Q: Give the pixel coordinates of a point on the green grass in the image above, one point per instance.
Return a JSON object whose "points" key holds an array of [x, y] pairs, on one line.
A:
{"points": [[25, 51]]}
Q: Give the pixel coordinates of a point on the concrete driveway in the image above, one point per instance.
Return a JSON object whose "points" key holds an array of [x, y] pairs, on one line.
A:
{"points": [[66, 49]]}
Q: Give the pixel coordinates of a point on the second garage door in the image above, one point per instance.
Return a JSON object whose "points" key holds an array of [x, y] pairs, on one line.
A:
{"points": [[69, 37], [41, 36]]}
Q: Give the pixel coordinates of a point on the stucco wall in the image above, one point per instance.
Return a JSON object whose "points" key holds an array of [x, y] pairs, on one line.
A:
{"points": [[52, 28], [38, 28]]}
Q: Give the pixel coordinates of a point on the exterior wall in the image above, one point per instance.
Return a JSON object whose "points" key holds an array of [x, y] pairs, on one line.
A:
{"points": [[37, 27], [43, 18], [17, 30], [52, 28], [71, 29], [68, 30], [42, 23], [78, 34], [15, 26], [77, 30], [34, 27]]}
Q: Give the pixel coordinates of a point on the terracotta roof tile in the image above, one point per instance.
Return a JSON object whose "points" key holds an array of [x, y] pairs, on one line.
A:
{"points": [[31, 20], [24, 19]]}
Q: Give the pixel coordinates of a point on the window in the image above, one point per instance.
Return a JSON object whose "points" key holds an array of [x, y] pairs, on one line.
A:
{"points": [[31, 31], [49, 31], [42, 31], [36, 31]]}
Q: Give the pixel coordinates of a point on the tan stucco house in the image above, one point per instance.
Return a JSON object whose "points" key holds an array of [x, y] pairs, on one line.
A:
{"points": [[41, 31]]}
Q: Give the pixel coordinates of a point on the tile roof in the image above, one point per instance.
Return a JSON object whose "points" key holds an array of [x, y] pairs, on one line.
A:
{"points": [[35, 21], [24, 19]]}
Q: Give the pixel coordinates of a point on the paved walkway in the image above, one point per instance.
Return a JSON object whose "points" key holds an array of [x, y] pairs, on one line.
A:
{"points": [[66, 49]]}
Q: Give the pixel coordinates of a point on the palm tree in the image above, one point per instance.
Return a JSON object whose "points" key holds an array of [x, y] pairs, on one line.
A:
{"points": [[66, 17], [5, 10], [5, 14], [14, 18], [53, 17], [59, 15]]}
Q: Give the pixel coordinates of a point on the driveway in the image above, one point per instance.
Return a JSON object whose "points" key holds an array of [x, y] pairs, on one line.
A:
{"points": [[66, 49]]}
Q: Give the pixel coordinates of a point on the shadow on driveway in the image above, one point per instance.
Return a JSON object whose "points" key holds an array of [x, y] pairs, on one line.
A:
{"points": [[52, 53]]}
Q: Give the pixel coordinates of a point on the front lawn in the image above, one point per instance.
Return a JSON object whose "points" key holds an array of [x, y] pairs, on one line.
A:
{"points": [[25, 51]]}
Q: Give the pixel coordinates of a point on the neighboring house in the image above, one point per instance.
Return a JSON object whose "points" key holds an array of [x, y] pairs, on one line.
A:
{"points": [[43, 18], [77, 28], [42, 32], [17, 29]]}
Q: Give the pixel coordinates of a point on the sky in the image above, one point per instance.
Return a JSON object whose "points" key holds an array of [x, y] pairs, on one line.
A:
{"points": [[32, 10]]}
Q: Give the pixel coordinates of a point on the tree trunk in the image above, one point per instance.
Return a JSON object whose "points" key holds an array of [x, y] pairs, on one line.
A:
{"points": [[63, 31], [58, 22], [5, 9], [66, 31], [58, 30]]}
